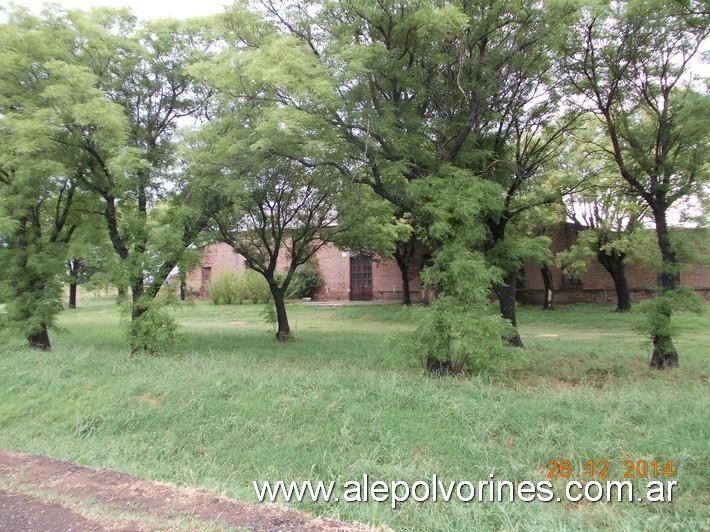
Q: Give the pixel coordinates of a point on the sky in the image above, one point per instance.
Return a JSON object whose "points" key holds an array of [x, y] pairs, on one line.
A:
{"points": [[141, 8]]}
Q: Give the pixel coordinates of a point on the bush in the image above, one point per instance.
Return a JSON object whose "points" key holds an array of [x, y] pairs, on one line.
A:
{"points": [[462, 332], [235, 288], [654, 314], [227, 289], [154, 331], [306, 280], [457, 338]]}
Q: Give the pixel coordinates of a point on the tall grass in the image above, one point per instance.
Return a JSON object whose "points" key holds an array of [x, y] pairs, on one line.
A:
{"points": [[228, 405]]}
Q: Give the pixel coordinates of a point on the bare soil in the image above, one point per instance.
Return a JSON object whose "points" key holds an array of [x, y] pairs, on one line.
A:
{"points": [[43, 494]]}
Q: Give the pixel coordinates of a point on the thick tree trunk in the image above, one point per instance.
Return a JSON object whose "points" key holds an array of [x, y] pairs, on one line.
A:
{"points": [[547, 281], [137, 303], [406, 291], [623, 296], [614, 264], [506, 300], [665, 355], [402, 259], [40, 339], [283, 331]]}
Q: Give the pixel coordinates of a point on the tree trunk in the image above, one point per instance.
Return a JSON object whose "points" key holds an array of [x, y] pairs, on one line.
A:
{"points": [[402, 260], [122, 292], [40, 339], [74, 265], [665, 355], [614, 264], [183, 287], [137, 305], [506, 300], [406, 291], [283, 331], [72, 295], [547, 281]]}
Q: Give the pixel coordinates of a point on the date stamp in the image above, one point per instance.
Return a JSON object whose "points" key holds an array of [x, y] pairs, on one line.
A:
{"points": [[599, 469]]}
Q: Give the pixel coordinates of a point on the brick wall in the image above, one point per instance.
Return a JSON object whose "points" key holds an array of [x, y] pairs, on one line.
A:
{"points": [[596, 283], [333, 264], [216, 259]]}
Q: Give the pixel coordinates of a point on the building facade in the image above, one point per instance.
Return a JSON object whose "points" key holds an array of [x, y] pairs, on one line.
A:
{"points": [[596, 285], [344, 275], [348, 276]]}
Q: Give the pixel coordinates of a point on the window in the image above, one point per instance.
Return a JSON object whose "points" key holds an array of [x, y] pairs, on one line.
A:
{"points": [[568, 280]]}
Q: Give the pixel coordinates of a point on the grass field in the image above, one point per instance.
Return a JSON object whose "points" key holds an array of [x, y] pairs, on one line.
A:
{"points": [[228, 405]]}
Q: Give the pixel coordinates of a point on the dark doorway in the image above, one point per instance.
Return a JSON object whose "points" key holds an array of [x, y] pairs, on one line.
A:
{"points": [[360, 278], [206, 277]]}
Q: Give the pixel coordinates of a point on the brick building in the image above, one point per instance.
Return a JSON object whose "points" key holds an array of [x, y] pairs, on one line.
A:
{"points": [[347, 276], [596, 285], [344, 275]]}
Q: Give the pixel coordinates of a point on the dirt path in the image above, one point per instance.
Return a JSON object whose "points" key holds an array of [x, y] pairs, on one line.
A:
{"points": [[42, 494]]}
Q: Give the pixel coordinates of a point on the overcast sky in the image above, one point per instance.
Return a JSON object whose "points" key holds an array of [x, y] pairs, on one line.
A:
{"points": [[141, 8]]}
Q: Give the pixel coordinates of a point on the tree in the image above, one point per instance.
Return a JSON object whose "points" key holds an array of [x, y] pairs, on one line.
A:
{"points": [[42, 90], [607, 230], [629, 61], [269, 200], [143, 69], [90, 258], [417, 86]]}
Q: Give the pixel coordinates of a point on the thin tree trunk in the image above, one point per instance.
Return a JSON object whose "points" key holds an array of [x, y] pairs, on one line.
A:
{"points": [[665, 355], [74, 265], [506, 300], [283, 331], [183, 287], [72, 294], [547, 281], [406, 290], [40, 339]]}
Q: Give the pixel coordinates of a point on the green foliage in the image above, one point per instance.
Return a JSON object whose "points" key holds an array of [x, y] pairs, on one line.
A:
{"points": [[655, 314], [268, 314], [155, 330], [455, 338], [231, 288], [463, 331], [30, 288], [306, 280]]}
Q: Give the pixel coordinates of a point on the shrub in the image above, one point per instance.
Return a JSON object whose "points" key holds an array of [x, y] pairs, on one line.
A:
{"points": [[306, 280], [256, 289], [154, 331], [235, 288], [227, 289], [456, 338], [462, 331], [654, 315]]}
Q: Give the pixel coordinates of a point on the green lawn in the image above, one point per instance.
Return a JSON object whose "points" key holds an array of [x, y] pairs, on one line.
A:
{"points": [[229, 405]]}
